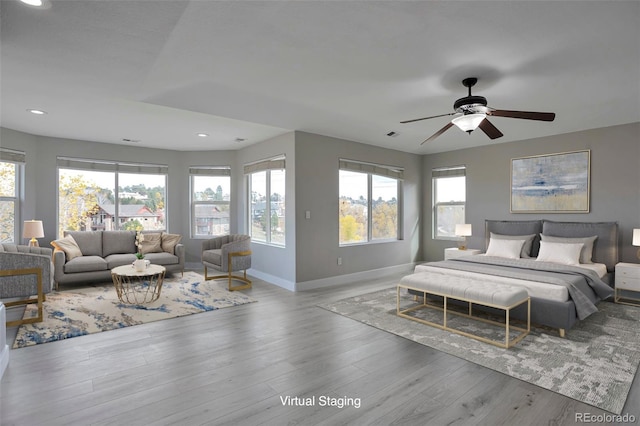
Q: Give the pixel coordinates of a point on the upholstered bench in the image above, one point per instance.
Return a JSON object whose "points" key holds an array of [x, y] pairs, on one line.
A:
{"points": [[499, 296]]}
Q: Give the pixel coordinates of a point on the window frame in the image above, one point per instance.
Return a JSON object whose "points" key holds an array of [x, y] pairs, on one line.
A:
{"points": [[205, 171], [116, 168], [18, 159], [274, 164], [444, 173], [385, 171]]}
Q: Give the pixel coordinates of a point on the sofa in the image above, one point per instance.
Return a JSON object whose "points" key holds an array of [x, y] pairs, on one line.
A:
{"points": [[95, 253]]}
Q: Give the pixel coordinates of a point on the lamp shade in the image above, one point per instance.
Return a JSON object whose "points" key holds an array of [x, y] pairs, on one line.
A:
{"points": [[463, 230], [636, 237], [469, 122], [33, 229]]}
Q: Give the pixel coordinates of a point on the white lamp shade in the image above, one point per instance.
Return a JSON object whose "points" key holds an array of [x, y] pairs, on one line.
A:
{"points": [[463, 230], [469, 122], [636, 237], [33, 229]]}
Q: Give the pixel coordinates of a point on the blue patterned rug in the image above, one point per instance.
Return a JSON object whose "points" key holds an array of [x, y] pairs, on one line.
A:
{"points": [[595, 364], [87, 310]]}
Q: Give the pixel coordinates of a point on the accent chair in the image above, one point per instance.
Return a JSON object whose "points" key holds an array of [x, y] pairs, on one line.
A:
{"points": [[26, 274], [228, 254]]}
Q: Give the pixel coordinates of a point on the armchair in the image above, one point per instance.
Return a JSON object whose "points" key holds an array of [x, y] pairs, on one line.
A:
{"points": [[228, 254], [25, 272]]}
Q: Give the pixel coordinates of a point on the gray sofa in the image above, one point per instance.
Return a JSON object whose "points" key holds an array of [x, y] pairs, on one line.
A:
{"points": [[105, 250]]}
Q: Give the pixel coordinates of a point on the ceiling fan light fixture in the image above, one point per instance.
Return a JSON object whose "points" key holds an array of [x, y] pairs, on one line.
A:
{"points": [[469, 122]]}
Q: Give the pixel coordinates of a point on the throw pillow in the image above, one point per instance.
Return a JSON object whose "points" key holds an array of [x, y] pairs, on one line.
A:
{"points": [[150, 243], [69, 246], [526, 247], [564, 253], [170, 241], [509, 249], [587, 249]]}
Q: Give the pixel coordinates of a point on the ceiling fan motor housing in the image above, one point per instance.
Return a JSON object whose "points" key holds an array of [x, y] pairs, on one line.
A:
{"points": [[470, 104]]}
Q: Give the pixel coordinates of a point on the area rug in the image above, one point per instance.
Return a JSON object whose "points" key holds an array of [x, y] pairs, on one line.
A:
{"points": [[595, 364], [94, 309]]}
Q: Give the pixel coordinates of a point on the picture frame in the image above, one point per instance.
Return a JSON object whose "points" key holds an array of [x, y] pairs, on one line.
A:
{"points": [[551, 183]]}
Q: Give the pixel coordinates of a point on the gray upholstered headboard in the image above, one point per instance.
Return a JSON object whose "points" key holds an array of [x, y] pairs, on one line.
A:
{"points": [[605, 248]]}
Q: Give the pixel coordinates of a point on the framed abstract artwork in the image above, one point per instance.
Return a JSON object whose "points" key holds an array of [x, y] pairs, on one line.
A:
{"points": [[552, 183]]}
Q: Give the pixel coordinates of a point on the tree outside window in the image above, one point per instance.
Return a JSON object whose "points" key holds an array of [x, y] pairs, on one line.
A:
{"points": [[267, 201], [8, 201]]}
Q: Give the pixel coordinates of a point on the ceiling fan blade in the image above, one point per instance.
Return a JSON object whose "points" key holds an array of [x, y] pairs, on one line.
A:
{"points": [[426, 118], [438, 133], [527, 115], [490, 130]]}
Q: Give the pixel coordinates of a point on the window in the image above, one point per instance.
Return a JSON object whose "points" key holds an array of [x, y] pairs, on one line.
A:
{"points": [[369, 195], [103, 195], [11, 163], [449, 198], [266, 180], [210, 201]]}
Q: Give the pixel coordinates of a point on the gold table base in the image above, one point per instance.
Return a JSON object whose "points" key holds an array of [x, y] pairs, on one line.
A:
{"points": [[138, 287]]}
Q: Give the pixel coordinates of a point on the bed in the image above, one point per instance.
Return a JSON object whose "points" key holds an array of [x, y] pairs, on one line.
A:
{"points": [[561, 294]]}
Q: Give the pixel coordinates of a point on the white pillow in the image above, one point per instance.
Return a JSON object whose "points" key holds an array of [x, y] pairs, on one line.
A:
{"points": [[505, 248], [564, 253]]}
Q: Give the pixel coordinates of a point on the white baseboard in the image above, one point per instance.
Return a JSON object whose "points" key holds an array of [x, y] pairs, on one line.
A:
{"points": [[4, 348], [271, 279], [357, 276]]}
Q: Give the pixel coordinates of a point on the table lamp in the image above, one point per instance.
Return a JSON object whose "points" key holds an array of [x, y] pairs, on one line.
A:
{"points": [[463, 230], [33, 229], [636, 240]]}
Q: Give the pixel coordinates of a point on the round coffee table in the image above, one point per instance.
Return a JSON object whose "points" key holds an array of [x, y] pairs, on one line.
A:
{"points": [[135, 287]]}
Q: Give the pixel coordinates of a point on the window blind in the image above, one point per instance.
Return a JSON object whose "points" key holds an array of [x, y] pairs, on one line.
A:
{"points": [[455, 171], [260, 166], [111, 166], [376, 169], [11, 155], [210, 171]]}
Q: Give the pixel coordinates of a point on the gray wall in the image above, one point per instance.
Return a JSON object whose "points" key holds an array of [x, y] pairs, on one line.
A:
{"points": [[317, 192], [615, 183]]}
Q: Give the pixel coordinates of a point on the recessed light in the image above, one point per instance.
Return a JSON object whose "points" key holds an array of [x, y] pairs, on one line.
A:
{"points": [[37, 111], [203, 135], [36, 3]]}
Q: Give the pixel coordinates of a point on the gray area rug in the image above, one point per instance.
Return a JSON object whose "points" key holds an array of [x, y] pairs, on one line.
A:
{"points": [[595, 364]]}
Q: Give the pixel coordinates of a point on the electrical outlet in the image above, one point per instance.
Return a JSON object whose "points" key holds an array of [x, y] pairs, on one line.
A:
{"points": [[339, 261]]}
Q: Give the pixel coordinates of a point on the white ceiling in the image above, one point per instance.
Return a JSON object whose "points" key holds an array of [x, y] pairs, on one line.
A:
{"points": [[162, 71]]}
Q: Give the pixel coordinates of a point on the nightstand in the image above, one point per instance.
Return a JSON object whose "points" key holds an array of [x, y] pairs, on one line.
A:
{"points": [[627, 279], [452, 253]]}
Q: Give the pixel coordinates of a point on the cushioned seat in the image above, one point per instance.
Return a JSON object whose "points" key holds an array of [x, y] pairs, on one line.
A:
{"points": [[228, 254], [85, 264]]}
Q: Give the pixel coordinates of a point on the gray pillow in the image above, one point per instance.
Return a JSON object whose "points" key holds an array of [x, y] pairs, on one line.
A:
{"points": [[587, 244], [526, 247]]}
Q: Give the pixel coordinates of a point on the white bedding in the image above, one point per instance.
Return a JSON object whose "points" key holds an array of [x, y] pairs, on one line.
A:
{"points": [[535, 289]]}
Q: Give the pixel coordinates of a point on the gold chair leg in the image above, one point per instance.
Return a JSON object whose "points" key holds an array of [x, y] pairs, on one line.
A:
{"points": [[39, 300], [229, 275]]}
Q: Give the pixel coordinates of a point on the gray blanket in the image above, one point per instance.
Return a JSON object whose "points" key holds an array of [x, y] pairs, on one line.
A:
{"points": [[571, 277]]}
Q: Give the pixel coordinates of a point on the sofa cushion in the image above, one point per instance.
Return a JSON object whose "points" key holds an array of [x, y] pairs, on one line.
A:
{"points": [[169, 242], [119, 259], [118, 242], [212, 256], [151, 243], [90, 242], [85, 264], [9, 248], [163, 258], [69, 246]]}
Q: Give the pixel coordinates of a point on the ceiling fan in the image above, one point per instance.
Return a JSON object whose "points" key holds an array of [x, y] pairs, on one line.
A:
{"points": [[472, 111]]}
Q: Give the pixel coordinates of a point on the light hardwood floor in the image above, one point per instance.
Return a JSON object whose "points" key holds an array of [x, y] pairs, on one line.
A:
{"points": [[233, 366]]}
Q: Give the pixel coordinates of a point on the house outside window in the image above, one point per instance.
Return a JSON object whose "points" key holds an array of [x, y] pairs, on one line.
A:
{"points": [[370, 202], [210, 201], [267, 201], [11, 175], [88, 199], [449, 200]]}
